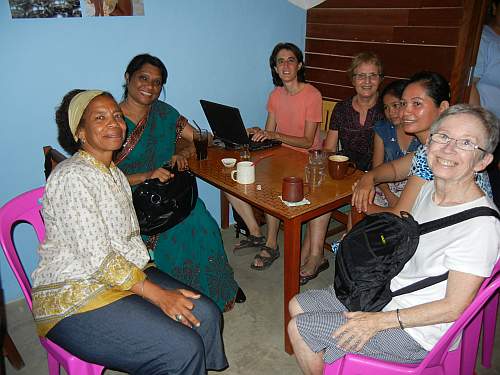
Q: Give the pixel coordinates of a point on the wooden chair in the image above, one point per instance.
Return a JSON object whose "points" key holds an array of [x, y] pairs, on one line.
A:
{"points": [[327, 114], [339, 216], [52, 158]]}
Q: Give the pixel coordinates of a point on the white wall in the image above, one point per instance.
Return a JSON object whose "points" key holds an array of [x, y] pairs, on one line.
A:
{"points": [[213, 49]]}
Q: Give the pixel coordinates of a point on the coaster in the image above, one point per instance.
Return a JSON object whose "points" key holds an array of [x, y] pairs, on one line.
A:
{"points": [[295, 204]]}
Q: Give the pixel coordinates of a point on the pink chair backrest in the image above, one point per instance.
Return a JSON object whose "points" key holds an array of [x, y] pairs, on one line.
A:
{"points": [[24, 208], [470, 319]]}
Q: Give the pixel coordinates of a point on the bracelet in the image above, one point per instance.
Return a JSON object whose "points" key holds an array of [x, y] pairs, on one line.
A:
{"points": [[399, 319], [142, 290]]}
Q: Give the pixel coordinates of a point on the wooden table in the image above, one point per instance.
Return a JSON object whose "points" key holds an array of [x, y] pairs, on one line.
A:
{"points": [[271, 166]]}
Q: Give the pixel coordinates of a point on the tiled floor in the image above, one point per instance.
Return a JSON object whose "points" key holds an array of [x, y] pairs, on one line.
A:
{"points": [[253, 331]]}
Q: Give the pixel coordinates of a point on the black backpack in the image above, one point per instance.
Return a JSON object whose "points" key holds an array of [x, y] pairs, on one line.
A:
{"points": [[376, 249]]}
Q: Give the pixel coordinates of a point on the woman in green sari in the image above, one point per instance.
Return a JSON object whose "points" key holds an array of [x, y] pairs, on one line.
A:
{"points": [[192, 251]]}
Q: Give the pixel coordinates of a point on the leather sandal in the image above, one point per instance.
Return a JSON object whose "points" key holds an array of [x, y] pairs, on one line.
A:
{"points": [[250, 242], [266, 261], [303, 280]]}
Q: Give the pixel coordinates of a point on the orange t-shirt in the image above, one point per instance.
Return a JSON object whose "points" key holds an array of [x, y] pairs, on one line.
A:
{"points": [[292, 111]]}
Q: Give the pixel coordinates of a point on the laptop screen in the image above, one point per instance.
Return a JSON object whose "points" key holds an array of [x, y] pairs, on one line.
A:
{"points": [[225, 122]]}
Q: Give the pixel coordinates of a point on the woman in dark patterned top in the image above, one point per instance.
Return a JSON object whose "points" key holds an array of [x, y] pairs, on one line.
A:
{"points": [[353, 119]]}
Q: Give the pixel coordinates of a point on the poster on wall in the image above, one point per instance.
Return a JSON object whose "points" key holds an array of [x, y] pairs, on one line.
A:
{"points": [[75, 8]]}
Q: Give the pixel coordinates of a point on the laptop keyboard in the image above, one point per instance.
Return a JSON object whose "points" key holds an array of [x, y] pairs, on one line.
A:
{"points": [[266, 143]]}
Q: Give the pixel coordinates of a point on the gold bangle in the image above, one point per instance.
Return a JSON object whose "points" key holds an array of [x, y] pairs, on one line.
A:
{"points": [[142, 288], [399, 319]]}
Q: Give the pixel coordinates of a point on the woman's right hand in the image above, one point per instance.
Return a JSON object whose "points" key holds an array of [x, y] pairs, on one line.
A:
{"points": [[162, 174], [363, 192], [177, 302]]}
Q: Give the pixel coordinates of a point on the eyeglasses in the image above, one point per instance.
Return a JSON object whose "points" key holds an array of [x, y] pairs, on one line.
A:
{"points": [[462, 144], [393, 106], [366, 76]]}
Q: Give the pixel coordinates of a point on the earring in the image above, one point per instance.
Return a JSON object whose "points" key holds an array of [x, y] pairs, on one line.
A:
{"points": [[82, 141]]}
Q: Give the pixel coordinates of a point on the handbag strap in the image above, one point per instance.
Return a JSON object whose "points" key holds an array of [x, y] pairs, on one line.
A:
{"points": [[433, 225], [428, 281], [132, 140]]}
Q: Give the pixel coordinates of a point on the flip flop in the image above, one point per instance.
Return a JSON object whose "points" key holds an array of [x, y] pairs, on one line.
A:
{"points": [[250, 242], [323, 266], [266, 261]]}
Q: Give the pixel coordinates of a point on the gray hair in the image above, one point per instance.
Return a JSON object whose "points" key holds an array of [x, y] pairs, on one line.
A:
{"points": [[490, 122]]}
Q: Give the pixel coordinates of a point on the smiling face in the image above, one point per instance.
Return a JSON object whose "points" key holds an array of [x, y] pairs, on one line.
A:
{"points": [[366, 80], [144, 86], [103, 128], [287, 66], [450, 163], [419, 111], [392, 106]]}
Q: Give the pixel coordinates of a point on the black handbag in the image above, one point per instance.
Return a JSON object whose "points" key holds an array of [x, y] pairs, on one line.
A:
{"points": [[162, 205]]}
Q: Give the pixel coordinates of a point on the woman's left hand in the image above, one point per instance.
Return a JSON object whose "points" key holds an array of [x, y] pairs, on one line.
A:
{"points": [[262, 134], [359, 328], [180, 161]]}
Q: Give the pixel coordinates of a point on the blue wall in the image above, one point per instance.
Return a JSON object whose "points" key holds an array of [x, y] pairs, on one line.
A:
{"points": [[213, 49]]}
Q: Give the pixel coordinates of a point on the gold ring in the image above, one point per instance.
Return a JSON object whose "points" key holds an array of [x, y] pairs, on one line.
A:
{"points": [[178, 317]]}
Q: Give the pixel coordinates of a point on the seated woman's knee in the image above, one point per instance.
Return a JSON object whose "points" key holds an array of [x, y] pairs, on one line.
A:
{"points": [[292, 330], [206, 311], [294, 307]]}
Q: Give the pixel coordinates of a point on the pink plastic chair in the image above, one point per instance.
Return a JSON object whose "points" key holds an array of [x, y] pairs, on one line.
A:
{"points": [[489, 325], [26, 208], [440, 360]]}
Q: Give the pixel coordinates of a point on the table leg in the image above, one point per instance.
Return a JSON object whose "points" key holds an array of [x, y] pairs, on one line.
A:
{"points": [[291, 254], [224, 211]]}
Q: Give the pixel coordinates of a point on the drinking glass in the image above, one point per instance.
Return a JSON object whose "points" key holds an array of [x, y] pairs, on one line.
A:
{"points": [[200, 138]]}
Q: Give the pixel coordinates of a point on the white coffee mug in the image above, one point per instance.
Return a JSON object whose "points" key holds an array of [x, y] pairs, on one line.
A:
{"points": [[245, 172]]}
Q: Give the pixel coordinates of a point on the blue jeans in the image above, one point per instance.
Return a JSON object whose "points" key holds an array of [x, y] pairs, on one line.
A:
{"points": [[135, 336]]}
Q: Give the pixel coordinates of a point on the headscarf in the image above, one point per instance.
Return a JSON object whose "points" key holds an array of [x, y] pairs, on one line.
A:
{"points": [[77, 107]]}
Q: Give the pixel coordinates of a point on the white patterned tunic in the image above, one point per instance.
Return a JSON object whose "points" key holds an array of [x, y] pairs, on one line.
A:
{"points": [[93, 252]]}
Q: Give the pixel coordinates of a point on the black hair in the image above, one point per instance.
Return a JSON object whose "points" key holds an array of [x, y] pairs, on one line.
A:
{"points": [[395, 88], [301, 74], [64, 136], [436, 86], [138, 62]]}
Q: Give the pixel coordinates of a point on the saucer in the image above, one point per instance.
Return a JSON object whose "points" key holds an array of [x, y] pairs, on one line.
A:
{"points": [[229, 162]]}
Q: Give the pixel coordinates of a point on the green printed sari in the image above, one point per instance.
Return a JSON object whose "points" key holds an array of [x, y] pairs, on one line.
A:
{"points": [[192, 251]]}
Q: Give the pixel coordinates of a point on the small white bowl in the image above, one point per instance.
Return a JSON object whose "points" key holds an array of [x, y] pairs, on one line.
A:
{"points": [[229, 162]]}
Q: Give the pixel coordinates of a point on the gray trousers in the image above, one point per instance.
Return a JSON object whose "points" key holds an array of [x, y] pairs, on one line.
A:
{"points": [[324, 313], [135, 336]]}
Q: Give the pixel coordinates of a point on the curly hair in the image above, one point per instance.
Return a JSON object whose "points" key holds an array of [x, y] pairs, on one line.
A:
{"points": [[64, 136]]}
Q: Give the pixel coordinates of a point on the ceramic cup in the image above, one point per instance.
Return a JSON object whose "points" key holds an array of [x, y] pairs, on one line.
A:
{"points": [[292, 189], [244, 173], [338, 166]]}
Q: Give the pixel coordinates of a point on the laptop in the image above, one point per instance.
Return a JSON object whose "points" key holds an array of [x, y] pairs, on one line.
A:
{"points": [[227, 126]]}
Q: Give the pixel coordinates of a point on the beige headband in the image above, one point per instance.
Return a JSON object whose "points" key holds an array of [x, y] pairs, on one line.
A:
{"points": [[77, 107]]}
